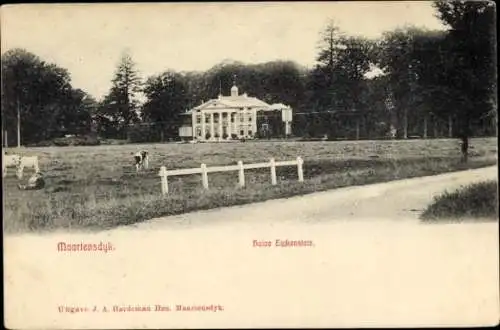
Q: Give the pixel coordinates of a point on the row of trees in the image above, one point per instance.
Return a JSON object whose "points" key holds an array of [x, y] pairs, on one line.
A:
{"points": [[422, 75], [41, 94]]}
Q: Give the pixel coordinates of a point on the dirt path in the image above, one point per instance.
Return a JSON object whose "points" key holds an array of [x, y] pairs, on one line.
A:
{"points": [[374, 265], [397, 200]]}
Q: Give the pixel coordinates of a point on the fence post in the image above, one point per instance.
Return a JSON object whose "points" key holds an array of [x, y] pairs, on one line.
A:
{"points": [[204, 176], [273, 171], [164, 182], [299, 169], [241, 174]]}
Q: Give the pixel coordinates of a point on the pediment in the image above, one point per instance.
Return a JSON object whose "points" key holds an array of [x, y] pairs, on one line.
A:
{"points": [[213, 104]]}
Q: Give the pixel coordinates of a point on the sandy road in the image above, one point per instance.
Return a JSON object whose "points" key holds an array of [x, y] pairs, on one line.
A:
{"points": [[371, 263]]}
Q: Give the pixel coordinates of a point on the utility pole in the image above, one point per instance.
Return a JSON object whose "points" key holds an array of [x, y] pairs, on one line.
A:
{"points": [[405, 123], [410, 103], [18, 124], [450, 126], [425, 126], [357, 127]]}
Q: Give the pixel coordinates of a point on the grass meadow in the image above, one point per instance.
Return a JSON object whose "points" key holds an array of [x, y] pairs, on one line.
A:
{"points": [[97, 187]]}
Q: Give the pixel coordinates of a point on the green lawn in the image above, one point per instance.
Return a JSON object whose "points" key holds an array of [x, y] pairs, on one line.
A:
{"points": [[97, 187]]}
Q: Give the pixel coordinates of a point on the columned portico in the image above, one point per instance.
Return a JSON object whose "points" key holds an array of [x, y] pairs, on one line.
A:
{"points": [[227, 117]]}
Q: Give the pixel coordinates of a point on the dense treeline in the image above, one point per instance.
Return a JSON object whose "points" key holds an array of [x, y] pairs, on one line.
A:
{"points": [[410, 81]]}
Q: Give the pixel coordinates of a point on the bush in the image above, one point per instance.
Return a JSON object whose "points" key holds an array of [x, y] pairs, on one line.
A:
{"points": [[225, 136], [234, 136], [479, 200], [84, 140]]}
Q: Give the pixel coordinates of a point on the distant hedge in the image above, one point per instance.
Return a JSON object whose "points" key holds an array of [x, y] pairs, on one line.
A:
{"points": [[69, 141]]}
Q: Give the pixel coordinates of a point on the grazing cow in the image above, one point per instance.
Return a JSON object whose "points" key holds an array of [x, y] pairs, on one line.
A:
{"points": [[10, 161], [141, 160], [35, 182], [27, 161]]}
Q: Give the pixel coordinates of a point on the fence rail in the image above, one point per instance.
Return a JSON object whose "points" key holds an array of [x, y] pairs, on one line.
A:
{"points": [[240, 167]]}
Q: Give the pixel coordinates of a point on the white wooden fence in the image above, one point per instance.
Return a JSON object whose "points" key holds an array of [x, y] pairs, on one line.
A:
{"points": [[240, 167]]}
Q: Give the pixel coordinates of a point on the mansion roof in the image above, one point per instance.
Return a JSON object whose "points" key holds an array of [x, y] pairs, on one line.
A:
{"points": [[236, 101], [240, 101]]}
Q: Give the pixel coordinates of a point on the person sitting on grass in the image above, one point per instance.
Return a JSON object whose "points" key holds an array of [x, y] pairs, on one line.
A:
{"points": [[35, 182]]}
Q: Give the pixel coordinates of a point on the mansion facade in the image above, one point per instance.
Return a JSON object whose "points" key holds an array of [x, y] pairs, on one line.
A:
{"points": [[235, 117]]}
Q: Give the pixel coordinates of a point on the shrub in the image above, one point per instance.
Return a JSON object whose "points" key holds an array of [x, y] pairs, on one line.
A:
{"points": [[479, 200], [85, 140]]}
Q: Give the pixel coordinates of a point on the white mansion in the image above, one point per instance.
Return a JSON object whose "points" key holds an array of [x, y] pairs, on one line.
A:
{"points": [[232, 117]]}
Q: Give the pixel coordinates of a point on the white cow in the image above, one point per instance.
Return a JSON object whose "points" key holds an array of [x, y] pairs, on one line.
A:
{"points": [[10, 161], [141, 160], [27, 161]]}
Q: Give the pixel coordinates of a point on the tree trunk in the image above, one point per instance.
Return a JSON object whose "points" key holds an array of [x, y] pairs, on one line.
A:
{"points": [[357, 128], [425, 126], [450, 127], [405, 123], [18, 125], [465, 148]]}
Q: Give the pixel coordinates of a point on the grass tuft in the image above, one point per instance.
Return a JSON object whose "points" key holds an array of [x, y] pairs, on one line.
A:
{"points": [[476, 202]]}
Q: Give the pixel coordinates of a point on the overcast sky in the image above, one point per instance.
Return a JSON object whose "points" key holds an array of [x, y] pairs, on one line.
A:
{"points": [[88, 39]]}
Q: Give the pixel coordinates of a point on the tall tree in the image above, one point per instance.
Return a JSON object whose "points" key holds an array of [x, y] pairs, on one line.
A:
{"points": [[167, 98], [47, 103], [120, 108], [338, 80], [470, 73], [412, 58]]}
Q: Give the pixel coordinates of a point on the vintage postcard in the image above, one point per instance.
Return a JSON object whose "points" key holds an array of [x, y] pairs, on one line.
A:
{"points": [[250, 164]]}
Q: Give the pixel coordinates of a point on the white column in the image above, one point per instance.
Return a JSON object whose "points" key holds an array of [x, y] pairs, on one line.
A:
{"points": [[235, 124], [220, 125], [229, 124], [193, 123], [203, 126], [212, 126]]}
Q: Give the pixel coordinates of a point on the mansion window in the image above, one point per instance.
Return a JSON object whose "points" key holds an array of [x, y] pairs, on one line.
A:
{"points": [[207, 119], [198, 119]]}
